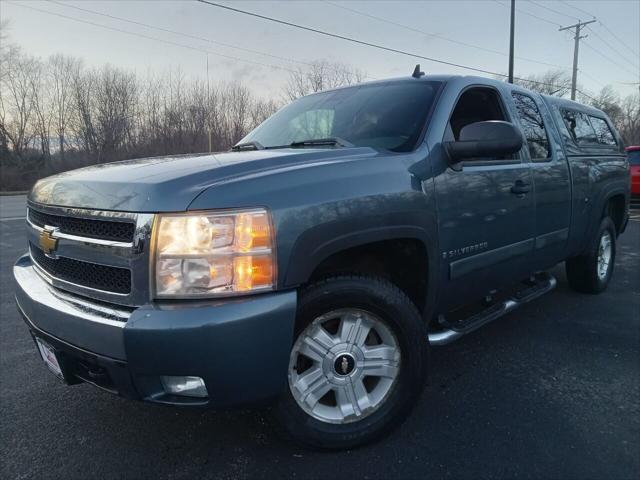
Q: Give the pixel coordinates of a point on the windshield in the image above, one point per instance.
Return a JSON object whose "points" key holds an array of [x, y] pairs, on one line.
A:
{"points": [[386, 116]]}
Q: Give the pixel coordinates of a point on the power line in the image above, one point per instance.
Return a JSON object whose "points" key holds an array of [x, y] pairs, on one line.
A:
{"points": [[441, 37], [623, 57], [626, 45], [553, 10], [591, 77], [609, 59], [614, 49], [603, 25], [373, 45], [606, 57], [578, 9], [168, 42], [354, 40], [559, 25], [343, 37], [555, 24], [174, 32]]}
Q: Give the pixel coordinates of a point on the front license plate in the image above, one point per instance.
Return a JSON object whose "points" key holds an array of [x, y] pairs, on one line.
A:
{"points": [[49, 356]]}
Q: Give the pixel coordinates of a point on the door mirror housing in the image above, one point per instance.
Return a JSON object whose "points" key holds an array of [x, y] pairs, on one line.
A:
{"points": [[493, 138]]}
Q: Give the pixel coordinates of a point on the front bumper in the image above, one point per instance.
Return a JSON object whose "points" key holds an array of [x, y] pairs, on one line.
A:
{"points": [[240, 347]]}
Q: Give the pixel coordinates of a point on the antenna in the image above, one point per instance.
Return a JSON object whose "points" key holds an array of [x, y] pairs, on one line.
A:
{"points": [[416, 72]]}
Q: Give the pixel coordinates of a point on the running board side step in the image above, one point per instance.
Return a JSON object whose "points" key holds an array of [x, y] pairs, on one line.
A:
{"points": [[540, 284]]}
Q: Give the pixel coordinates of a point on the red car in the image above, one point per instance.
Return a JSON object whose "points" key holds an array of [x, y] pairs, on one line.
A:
{"points": [[634, 163]]}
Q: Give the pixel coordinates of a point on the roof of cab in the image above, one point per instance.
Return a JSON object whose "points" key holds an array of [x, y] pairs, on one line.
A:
{"points": [[550, 99], [425, 78]]}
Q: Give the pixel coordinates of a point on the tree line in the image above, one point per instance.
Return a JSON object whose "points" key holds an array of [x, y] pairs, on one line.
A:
{"points": [[57, 114]]}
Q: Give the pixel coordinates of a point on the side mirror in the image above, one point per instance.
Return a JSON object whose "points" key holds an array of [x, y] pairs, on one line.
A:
{"points": [[493, 138]]}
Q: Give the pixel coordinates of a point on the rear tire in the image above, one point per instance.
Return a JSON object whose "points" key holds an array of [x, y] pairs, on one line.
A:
{"points": [[362, 345], [591, 272]]}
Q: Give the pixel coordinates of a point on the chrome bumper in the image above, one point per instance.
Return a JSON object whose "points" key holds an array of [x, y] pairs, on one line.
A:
{"points": [[224, 341], [96, 327]]}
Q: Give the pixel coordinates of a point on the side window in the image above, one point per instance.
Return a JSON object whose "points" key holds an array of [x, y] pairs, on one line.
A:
{"points": [[533, 127], [603, 132], [579, 127], [476, 104]]}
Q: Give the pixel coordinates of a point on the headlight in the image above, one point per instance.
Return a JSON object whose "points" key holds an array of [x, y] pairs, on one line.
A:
{"points": [[217, 253]]}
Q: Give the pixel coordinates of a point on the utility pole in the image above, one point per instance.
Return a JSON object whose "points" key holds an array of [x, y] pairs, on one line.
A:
{"points": [[578, 26], [513, 27], [208, 107]]}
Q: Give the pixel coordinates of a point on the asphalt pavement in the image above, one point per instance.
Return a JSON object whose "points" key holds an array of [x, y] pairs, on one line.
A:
{"points": [[549, 391], [13, 207]]}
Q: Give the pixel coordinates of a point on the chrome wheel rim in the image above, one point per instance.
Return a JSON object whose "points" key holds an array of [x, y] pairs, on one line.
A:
{"points": [[604, 255], [343, 366]]}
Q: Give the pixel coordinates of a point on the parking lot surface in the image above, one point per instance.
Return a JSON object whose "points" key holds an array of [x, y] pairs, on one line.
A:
{"points": [[549, 391]]}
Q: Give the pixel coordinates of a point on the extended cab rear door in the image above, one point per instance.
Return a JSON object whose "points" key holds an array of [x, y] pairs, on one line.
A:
{"points": [[551, 180]]}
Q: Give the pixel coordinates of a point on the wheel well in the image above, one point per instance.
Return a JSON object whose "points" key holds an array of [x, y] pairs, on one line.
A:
{"points": [[615, 210], [401, 261]]}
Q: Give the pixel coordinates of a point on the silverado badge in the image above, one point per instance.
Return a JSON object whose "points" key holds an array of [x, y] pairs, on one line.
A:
{"points": [[48, 242]]}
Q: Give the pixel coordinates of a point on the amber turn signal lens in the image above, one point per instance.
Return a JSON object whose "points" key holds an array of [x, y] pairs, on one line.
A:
{"points": [[252, 231], [252, 272]]}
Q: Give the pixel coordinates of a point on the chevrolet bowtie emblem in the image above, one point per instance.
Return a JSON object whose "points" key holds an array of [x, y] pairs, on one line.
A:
{"points": [[48, 242], [344, 365]]}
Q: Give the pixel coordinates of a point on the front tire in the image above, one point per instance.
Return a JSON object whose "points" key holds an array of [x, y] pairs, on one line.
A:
{"points": [[357, 366], [592, 272]]}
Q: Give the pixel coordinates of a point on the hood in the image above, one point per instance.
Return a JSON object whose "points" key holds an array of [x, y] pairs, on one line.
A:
{"points": [[164, 184]]}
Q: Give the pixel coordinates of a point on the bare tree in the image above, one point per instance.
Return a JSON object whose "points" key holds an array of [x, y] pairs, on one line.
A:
{"points": [[82, 125], [629, 124], [17, 98], [553, 82], [62, 71], [42, 112], [61, 115], [320, 75], [261, 110]]}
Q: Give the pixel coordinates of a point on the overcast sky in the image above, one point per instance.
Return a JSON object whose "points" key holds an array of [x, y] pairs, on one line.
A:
{"points": [[446, 30]]}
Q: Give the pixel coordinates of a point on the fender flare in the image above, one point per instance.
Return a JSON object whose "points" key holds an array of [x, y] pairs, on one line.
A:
{"points": [[600, 204], [319, 243]]}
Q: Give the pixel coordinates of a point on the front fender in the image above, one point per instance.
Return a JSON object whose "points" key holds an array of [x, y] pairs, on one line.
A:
{"points": [[320, 242]]}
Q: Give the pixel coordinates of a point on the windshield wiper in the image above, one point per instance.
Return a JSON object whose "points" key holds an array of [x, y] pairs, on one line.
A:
{"points": [[336, 141], [247, 146]]}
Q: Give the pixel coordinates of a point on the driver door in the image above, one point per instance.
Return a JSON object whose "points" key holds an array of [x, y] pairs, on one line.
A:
{"points": [[485, 209]]}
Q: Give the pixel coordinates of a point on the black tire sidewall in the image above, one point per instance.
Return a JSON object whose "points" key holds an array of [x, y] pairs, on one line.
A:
{"points": [[389, 304]]}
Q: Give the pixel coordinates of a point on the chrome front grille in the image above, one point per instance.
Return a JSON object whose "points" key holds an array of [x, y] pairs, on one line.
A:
{"points": [[99, 254], [100, 277], [120, 231]]}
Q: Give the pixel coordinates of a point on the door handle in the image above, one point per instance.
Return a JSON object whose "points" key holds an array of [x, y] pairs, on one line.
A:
{"points": [[520, 188]]}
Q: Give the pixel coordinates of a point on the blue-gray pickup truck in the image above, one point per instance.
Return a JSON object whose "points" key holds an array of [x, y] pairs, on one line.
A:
{"points": [[312, 266]]}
